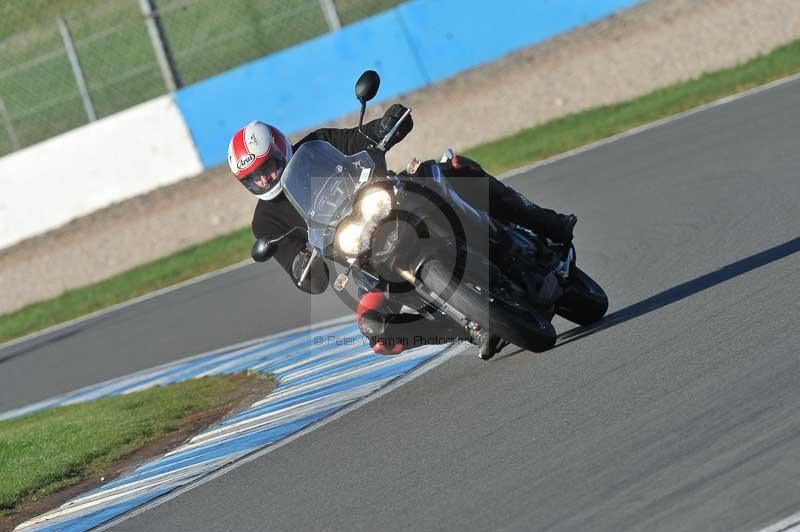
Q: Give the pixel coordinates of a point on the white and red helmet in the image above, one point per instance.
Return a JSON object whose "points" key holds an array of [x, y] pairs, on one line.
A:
{"points": [[257, 155]]}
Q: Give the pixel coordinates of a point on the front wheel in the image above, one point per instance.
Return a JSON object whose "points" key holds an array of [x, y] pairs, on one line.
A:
{"points": [[526, 329], [584, 302]]}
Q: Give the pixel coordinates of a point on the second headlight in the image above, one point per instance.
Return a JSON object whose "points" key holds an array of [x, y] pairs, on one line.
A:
{"points": [[375, 204], [349, 238]]}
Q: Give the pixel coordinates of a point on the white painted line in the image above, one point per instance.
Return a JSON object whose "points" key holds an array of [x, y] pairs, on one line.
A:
{"points": [[651, 125], [436, 361], [118, 494], [313, 358], [273, 419], [290, 390], [790, 524], [288, 377]]}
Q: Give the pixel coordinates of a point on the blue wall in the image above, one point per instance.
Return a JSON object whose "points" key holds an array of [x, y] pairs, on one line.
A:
{"points": [[415, 44]]}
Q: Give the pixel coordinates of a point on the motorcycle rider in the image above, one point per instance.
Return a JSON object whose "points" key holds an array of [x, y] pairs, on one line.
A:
{"points": [[257, 155]]}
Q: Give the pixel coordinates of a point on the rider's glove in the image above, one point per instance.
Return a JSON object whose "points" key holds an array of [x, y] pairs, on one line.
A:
{"points": [[390, 118], [465, 167]]}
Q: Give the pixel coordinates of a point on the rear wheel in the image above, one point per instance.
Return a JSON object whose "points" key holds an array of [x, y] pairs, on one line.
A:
{"points": [[524, 328], [584, 302]]}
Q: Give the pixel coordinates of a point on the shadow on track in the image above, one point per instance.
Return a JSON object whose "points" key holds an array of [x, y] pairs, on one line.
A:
{"points": [[38, 343], [684, 290]]}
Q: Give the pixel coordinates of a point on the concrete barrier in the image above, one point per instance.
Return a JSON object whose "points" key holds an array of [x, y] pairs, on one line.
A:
{"points": [[78, 172], [415, 44]]}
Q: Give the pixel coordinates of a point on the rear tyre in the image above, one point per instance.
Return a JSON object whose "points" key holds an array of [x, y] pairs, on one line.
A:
{"points": [[584, 302], [528, 330]]}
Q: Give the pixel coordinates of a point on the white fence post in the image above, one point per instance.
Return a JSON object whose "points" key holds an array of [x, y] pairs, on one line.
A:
{"points": [[331, 15], [166, 61], [9, 126], [72, 55]]}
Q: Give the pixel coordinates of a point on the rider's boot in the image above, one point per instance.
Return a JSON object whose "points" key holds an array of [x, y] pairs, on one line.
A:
{"points": [[520, 210], [488, 344], [489, 347], [505, 203]]}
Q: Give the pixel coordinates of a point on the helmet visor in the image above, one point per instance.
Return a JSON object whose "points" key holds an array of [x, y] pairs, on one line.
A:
{"points": [[265, 177]]}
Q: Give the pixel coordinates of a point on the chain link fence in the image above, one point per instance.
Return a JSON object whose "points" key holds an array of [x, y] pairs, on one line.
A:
{"points": [[89, 63]]}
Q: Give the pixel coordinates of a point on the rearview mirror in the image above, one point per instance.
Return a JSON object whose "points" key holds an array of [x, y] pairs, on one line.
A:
{"points": [[367, 86], [263, 250]]}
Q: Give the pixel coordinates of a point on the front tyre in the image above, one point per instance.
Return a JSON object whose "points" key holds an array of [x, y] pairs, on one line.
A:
{"points": [[528, 330], [584, 302]]}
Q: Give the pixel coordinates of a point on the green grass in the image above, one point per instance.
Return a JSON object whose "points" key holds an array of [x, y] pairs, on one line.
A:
{"points": [[525, 147], [594, 124], [45, 451], [117, 57], [18, 16]]}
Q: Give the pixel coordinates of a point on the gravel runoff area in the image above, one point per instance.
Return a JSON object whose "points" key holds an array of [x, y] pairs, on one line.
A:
{"points": [[652, 45]]}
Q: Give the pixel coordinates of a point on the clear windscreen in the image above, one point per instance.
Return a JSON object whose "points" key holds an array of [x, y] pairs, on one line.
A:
{"points": [[321, 182]]}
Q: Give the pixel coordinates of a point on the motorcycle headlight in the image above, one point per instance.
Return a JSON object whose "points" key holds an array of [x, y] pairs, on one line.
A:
{"points": [[375, 204], [349, 239]]}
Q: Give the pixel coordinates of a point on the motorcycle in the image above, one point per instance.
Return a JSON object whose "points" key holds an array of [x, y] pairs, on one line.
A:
{"points": [[410, 234]]}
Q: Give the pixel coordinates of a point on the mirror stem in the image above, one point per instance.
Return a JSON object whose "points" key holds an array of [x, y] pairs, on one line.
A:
{"points": [[287, 233], [361, 123], [361, 118]]}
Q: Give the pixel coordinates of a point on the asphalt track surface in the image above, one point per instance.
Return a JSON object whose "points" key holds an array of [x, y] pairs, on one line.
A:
{"points": [[680, 412]]}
